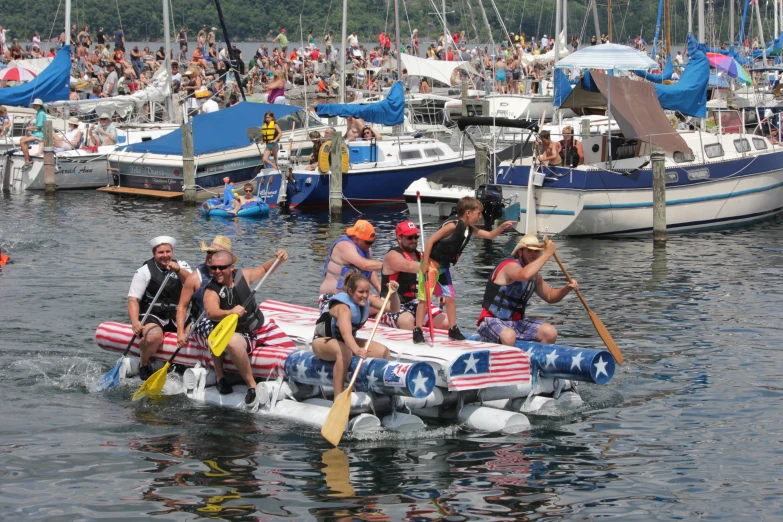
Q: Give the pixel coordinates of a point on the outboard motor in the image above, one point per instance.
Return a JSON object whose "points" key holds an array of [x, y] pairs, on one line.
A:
{"points": [[491, 196]]}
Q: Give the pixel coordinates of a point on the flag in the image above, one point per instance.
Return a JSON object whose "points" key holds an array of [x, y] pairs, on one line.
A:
{"points": [[487, 368]]}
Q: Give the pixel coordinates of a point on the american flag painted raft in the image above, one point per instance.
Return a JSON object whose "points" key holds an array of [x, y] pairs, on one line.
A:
{"points": [[459, 365], [273, 346]]}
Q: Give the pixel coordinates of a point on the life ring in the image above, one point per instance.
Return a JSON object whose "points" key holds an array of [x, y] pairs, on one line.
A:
{"points": [[325, 155]]}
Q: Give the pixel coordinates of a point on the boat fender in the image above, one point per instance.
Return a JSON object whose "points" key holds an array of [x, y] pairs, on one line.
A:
{"points": [[324, 158]]}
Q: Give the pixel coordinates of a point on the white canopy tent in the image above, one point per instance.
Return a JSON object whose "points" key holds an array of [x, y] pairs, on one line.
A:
{"points": [[434, 69]]}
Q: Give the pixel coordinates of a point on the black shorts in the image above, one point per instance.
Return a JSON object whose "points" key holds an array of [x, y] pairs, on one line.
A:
{"points": [[170, 326]]}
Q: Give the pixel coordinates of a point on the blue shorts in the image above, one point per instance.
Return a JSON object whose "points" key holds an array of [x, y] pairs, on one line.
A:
{"points": [[525, 329]]}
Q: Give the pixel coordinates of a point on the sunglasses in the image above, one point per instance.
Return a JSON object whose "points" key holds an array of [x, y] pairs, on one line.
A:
{"points": [[369, 242], [416, 237], [219, 267], [249, 191]]}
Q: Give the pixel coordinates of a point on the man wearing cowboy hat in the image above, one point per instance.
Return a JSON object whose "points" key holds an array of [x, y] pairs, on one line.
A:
{"points": [[510, 287], [228, 293], [145, 285], [193, 289], [36, 133], [105, 133]]}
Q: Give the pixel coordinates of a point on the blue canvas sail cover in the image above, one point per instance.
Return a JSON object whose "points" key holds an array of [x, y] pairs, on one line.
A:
{"points": [[216, 131], [562, 87], [390, 111], [53, 84], [668, 70], [689, 94]]}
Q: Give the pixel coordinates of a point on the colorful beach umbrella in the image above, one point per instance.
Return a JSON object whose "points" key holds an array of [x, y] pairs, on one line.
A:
{"points": [[18, 74], [730, 66]]}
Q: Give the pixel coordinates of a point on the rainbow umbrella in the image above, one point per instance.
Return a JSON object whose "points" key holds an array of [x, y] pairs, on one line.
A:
{"points": [[730, 66]]}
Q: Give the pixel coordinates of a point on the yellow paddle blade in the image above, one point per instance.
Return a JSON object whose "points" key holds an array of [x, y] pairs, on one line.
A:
{"points": [[334, 427], [338, 479], [221, 335], [606, 337], [153, 385]]}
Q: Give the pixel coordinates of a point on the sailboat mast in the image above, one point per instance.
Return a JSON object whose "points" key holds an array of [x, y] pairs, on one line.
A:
{"points": [[595, 20], [731, 21], [609, 8], [397, 38], [345, 49], [445, 26], [701, 21], [167, 61], [668, 25], [558, 26], [761, 35]]}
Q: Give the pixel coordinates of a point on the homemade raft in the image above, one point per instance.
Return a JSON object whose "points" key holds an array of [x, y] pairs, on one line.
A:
{"points": [[485, 387]]}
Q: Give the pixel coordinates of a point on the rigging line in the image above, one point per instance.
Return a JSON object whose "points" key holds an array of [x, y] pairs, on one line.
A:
{"points": [[478, 43], [410, 29], [117, 3], [584, 23], [386, 23], [54, 21], [622, 28], [540, 15], [328, 14], [522, 17], [500, 19]]}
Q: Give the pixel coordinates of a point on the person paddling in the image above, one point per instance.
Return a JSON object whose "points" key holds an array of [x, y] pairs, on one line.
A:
{"points": [[401, 264], [443, 250], [346, 312], [508, 290], [223, 296], [146, 282], [270, 133]]}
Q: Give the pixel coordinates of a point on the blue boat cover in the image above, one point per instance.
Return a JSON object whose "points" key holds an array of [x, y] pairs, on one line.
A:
{"points": [[53, 84], [689, 94], [668, 70], [562, 87], [390, 111], [216, 131]]}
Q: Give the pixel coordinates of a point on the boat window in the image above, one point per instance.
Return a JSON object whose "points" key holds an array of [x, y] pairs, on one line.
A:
{"points": [[713, 150], [683, 157], [697, 174], [432, 153], [760, 144], [742, 145], [410, 154]]}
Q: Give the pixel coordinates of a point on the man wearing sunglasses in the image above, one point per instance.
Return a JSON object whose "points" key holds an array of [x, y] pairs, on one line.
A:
{"points": [[146, 282], [227, 293], [351, 252], [401, 264]]}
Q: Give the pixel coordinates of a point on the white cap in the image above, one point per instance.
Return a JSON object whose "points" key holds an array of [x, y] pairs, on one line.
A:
{"points": [[162, 240]]}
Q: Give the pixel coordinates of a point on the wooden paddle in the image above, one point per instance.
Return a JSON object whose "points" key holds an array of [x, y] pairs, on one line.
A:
{"points": [[154, 384], [426, 273], [338, 416], [112, 377], [221, 334], [597, 323]]}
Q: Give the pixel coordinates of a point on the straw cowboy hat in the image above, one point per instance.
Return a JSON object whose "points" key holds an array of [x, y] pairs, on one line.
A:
{"points": [[218, 244], [529, 241]]}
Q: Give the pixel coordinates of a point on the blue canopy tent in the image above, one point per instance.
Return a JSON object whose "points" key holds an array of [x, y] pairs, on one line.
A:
{"points": [[390, 111], [216, 131], [53, 84]]}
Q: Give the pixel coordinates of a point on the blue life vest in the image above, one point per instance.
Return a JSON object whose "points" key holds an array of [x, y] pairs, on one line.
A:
{"points": [[197, 301], [345, 268], [504, 302], [326, 326]]}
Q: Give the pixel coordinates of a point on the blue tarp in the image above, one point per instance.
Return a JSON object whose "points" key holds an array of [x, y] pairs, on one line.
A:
{"points": [[53, 84], [216, 131], [718, 81], [562, 87], [390, 111], [689, 94], [668, 70]]}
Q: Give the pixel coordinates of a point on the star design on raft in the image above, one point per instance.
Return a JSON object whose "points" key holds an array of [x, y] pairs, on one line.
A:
{"points": [[324, 375], [470, 364], [601, 367], [551, 357], [371, 380], [301, 368], [420, 383], [576, 361]]}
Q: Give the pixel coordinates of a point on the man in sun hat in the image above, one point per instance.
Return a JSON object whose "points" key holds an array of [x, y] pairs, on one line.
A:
{"points": [[401, 264], [510, 287], [36, 132], [105, 133], [351, 252], [193, 289], [145, 285]]}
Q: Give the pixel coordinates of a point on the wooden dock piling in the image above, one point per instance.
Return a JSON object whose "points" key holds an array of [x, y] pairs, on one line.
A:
{"points": [[659, 195], [50, 185]]}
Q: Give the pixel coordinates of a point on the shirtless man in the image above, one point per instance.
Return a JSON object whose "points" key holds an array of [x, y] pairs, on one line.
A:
{"points": [[355, 126], [550, 153]]}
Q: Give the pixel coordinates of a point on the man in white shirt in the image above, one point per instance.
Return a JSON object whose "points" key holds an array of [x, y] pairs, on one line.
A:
{"points": [[678, 58], [544, 43], [209, 106], [147, 280], [352, 40]]}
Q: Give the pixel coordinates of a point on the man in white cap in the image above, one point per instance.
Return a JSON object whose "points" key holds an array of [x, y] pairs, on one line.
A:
{"points": [[36, 133], [510, 287], [146, 282], [105, 133]]}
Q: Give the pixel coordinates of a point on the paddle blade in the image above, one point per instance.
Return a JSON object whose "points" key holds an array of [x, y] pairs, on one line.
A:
{"points": [[110, 378], [221, 335], [429, 310], [606, 337], [334, 427], [153, 385]]}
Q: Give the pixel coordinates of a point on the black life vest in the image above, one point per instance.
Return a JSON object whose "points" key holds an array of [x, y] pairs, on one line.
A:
{"points": [[570, 155], [238, 295], [408, 282], [197, 301], [447, 251], [166, 305], [505, 301]]}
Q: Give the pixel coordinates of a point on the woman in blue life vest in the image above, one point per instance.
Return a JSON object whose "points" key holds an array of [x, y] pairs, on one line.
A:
{"points": [[335, 330], [270, 133], [510, 287]]}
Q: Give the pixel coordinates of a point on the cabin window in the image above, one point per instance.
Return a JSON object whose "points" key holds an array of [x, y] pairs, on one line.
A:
{"points": [[410, 154], [742, 145], [432, 153], [683, 157], [759, 144], [713, 150], [697, 174]]}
